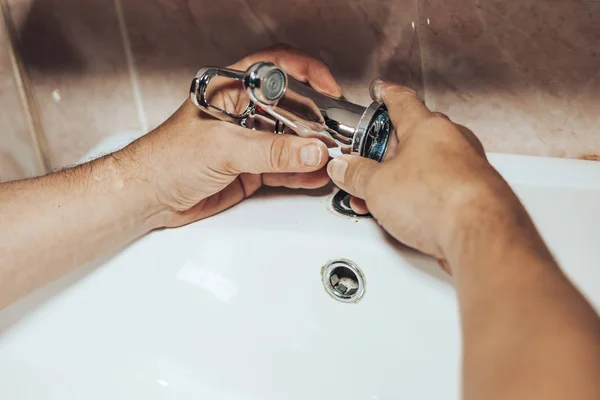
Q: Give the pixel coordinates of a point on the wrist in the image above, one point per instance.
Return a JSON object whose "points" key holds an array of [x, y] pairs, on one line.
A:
{"points": [[130, 180], [489, 226]]}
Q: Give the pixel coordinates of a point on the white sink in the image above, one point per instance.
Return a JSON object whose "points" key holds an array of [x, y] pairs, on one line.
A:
{"points": [[233, 307]]}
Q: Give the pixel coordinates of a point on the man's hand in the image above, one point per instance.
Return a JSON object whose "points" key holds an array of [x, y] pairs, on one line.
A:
{"points": [[434, 174], [527, 332], [189, 168], [196, 166]]}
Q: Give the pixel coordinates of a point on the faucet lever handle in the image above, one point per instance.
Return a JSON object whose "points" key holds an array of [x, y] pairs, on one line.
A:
{"points": [[199, 94]]}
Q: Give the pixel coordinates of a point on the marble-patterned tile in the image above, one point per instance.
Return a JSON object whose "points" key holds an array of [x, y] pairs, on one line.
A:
{"points": [[74, 55], [18, 153], [359, 39], [523, 75]]}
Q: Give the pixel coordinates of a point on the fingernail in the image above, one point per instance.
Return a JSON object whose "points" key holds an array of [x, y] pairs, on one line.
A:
{"points": [[337, 169], [375, 89], [311, 155], [340, 90]]}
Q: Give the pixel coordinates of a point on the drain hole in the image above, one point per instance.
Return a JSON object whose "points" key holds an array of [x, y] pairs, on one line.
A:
{"points": [[343, 280], [341, 204]]}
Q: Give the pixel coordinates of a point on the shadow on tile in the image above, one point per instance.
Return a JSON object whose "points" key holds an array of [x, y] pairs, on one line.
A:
{"points": [[185, 34]]}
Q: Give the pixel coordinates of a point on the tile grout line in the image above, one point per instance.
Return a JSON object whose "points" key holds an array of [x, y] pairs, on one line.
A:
{"points": [[26, 95], [133, 76], [421, 28]]}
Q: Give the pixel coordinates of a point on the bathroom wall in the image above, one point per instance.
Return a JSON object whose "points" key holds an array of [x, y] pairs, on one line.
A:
{"points": [[19, 155], [525, 76]]}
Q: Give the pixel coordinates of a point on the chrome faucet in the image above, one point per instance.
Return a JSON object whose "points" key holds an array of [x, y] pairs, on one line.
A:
{"points": [[280, 104]]}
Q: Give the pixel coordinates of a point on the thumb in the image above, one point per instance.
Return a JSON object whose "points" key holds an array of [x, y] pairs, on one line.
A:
{"points": [[352, 173], [260, 152]]}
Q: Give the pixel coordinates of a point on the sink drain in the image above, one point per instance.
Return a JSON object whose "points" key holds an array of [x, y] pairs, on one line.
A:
{"points": [[341, 204], [343, 280]]}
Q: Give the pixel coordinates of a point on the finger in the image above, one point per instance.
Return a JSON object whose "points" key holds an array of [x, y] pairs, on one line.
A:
{"points": [[297, 64], [405, 108], [298, 180], [358, 206], [261, 152], [352, 173]]}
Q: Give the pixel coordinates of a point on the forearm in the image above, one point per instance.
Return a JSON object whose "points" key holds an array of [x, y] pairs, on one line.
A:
{"points": [[55, 223], [527, 332]]}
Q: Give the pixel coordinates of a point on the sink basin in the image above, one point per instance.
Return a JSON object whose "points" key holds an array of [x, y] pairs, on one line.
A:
{"points": [[234, 307]]}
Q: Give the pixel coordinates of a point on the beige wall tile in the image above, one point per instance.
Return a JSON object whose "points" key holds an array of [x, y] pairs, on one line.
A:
{"points": [[360, 40], [18, 157], [74, 54], [522, 74]]}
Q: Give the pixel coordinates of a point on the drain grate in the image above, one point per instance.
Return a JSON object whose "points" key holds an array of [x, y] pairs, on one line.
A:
{"points": [[343, 280]]}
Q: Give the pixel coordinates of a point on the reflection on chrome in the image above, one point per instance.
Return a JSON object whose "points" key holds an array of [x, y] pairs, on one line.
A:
{"points": [[275, 102]]}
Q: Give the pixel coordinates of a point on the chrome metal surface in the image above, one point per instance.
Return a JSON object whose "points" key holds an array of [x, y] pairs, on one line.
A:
{"points": [[265, 83], [343, 280], [281, 104], [199, 94]]}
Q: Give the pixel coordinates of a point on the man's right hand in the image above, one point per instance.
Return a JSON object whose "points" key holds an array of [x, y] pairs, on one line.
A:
{"points": [[527, 333], [433, 183]]}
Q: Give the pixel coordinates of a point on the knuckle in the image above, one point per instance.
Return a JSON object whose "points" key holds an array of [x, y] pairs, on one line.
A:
{"points": [[279, 154], [404, 102], [400, 91], [403, 90], [439, 124], [438, 114], [373, 185], [362, 177], [281, 46]]}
